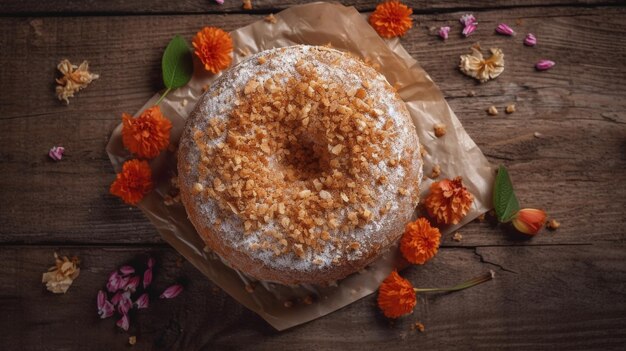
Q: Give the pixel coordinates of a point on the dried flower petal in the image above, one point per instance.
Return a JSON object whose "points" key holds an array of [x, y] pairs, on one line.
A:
{"points": [[271, 19], [133, 183], [60, 277], [56, 153], [504, 29], [172, 291], [391, 19], [448, 201], [420, 241], [115, 300], [529, 220], [214, 48], [147, 135], [74, 79], [530, 40], [475, 66], [125, 303], [133, 283], [396, 296], [151, 261], [220, 2], [543, 65], [105, 308], [127, 270], [147, 277], [469, 24], [444, 32], [123, 322], [143, 301]]}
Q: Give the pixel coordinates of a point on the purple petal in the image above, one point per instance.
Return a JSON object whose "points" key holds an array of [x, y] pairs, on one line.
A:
{"points": [[543, 65], [220, 2], [56, 153], [504, 29], [172, 291], [530, 40], [147, 277], [116, 298], [468, 19], [102, 297], [143, 301], [469, 29], [107, 310], [151, 262], [123, 322], [113, 283], [125, 303], [443, 32], [122, 283], [127, 270], [133, 283]]}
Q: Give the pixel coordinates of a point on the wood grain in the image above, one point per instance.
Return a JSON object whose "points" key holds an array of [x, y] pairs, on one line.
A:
{"points": [[65, 7], [542, 296], [571, 170]]}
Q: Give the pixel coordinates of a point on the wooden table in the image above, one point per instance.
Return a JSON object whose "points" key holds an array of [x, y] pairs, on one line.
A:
{"points": [[565, 148]]}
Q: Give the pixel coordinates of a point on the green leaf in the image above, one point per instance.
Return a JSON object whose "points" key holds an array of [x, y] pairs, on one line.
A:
{"points": [[504, 200], [177, 63]]}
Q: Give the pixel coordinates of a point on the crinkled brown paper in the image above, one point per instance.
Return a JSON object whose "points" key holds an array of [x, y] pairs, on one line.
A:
{"points": [[345, 29]]}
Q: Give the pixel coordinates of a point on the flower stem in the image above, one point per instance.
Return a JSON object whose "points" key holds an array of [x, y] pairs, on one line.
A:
{"points": [[468, 284], [163, 96]]}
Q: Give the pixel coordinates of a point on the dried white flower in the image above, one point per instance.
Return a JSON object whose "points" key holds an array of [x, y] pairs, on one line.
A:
{"points": [[476, 66], [59, 278], [74, 79]]}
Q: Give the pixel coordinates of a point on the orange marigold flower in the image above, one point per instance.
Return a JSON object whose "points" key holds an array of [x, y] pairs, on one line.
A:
{"points": [[420, 241], [448, 201], [147, 135], [133, 182], [396, 296], [391, 19], [214, 48]]}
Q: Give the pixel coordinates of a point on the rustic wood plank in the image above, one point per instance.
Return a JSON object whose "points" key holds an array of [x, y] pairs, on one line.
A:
{"points": [[578, 107], [64, 7], [570, 297]]}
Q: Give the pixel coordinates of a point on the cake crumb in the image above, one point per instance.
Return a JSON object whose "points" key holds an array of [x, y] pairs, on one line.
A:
{"points": [[243, 52], [419, 326], [308, 300], [250, 288], [457, 237], [492, 111], [132, 340], [288, 304], [537, 135], [247, 4], [481, 218], [183, 103], [271, 19], [553, 224], [510, 108], [436, 172], [440, 130], [471, 93]]}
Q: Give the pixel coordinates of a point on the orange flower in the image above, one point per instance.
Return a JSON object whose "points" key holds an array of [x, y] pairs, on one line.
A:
{"points": [[529, 220], [214, 48], [391, 19], [133, 183], [448, 201], [420, 241], [147, 135], [396, 296]]}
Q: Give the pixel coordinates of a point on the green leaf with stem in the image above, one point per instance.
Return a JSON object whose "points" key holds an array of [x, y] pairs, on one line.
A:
{"points": [[176, 65]]}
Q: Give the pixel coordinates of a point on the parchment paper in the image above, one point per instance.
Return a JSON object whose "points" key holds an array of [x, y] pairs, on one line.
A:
{"points": [[345, 29]]}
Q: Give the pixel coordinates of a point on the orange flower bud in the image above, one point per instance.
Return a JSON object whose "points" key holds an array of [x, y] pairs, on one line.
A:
{"points": [[529, 220]]}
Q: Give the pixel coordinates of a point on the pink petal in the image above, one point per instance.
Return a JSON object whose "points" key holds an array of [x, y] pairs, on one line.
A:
{"points": [[443, 32], [151, 262], [122, 283], [125, 303], [114, 281], [147, 277], [116, 298], [107, 310], [133, 283], [543, 65], [504, 29], [172, 291], [143, 301], [469, 29], [127, 270], [102, 297], [468, 19], [56, 153], [123, 322], [220, 2], [530, 40]]}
